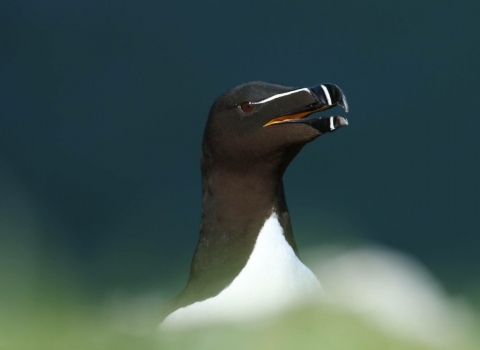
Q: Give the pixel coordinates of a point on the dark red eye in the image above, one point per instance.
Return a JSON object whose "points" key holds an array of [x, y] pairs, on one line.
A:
{"points": [[247, 107]]}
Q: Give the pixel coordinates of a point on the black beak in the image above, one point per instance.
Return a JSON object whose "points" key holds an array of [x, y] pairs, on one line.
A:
{"points": [[328, 96], [325, 96]]}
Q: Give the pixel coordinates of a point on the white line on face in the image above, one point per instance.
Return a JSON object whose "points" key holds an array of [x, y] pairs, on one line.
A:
{"points": [[325, 90], [281, 95]]}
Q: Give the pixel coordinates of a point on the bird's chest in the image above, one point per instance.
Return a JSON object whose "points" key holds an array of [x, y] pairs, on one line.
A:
{"points": [[273, 278]]}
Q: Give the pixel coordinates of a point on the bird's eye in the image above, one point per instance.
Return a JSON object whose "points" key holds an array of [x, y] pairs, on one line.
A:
{"points": [[247, 107]]}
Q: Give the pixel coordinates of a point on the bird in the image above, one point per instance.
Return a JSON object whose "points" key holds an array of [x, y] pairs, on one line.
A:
{"points": [[246, 262]]}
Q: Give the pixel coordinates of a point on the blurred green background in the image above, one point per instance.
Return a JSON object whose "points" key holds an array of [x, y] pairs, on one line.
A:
{"points": [[102, 108]]}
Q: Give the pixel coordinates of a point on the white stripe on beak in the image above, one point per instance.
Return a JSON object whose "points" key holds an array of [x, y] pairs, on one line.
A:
{"points": [[325, 90], [332, 127]]}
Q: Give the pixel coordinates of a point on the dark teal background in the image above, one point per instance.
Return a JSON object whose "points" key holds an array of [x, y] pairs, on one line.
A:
{"points": [[103, 103]]}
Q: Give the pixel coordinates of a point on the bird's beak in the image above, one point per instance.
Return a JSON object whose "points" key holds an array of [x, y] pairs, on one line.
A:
{"points": [[320, 98]]}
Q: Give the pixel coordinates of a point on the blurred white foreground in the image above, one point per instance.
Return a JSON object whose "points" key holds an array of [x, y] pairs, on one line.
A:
{"points": [[392, 291]]}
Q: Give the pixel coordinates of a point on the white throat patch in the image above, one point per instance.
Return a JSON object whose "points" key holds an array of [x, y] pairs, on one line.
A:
{"points": [[272, 279]]}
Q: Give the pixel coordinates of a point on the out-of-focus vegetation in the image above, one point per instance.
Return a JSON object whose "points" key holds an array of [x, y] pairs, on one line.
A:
{"points": [[62, 324], [393, 304]]}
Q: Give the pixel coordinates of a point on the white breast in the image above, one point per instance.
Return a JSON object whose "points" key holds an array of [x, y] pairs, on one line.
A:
{"points": [[272, 279]]}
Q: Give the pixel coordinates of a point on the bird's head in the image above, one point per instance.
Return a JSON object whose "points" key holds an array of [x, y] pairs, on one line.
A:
{"points": [[265, 125]]}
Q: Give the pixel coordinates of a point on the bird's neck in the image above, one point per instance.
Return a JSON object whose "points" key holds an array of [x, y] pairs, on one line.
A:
{"points": [[235, 208], [236, 205]]}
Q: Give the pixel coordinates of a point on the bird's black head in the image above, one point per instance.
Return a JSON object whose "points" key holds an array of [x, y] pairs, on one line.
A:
{"points": [[259, 125]]}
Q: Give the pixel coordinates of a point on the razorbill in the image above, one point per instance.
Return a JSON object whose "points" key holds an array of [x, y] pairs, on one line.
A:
{"points": [[246, 261]]}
